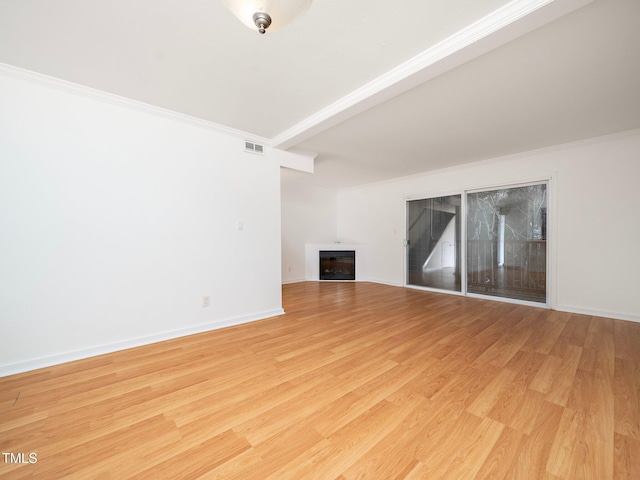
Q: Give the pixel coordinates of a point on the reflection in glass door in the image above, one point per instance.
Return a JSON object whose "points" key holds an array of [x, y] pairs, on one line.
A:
{"points": [[507, 243], [433, 242]]}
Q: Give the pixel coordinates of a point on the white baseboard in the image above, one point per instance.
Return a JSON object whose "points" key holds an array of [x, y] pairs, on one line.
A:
{"points": [[384, 282], [598, 313], [294, 280], [56, 359]]}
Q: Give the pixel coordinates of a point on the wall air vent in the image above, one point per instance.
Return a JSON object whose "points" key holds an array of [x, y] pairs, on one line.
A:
{"points": [[253, 148]]}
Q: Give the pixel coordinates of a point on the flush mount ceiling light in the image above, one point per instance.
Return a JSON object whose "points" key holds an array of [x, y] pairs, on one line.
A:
{"points": [[263, 14]]}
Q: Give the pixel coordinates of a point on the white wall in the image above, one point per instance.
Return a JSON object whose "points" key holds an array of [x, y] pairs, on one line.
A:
{"points": [[115, 221], [593, 220], [308, 216]]}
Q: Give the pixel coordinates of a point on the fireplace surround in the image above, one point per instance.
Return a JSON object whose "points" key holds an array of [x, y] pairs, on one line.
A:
{"points": [[312, 263]]}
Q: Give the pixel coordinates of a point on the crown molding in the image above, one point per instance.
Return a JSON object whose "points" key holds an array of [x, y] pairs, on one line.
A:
{"points": [[113, 99], [423, 66]]}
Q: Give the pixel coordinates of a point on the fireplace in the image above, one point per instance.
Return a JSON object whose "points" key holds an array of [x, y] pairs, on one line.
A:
{"points": [[337, 264]]}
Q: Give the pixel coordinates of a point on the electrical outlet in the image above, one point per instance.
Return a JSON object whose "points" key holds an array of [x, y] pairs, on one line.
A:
{"points": [[206, 301]]}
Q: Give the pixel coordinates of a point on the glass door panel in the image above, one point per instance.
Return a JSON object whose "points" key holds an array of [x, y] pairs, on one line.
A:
{"points": [[507, 243], [433, 242]]}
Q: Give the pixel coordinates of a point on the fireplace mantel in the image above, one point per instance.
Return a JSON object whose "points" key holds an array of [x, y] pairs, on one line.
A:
{"points": [[312, 269]]}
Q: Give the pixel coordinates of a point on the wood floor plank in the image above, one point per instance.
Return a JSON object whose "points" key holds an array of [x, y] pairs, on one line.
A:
{"points": [[582, 391], [352, 441], [565, 450], [502, 458], [627, 458], [627, 398], [474, 450], [436, 454], [357, 380], [505, 348], [518, 408], [487, 400], [545, 336], [394, 455], [534, 454], [210, 453], [547, 374], [561, 385]]}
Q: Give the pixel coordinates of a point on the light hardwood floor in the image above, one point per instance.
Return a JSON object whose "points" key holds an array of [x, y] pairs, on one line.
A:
{"points": [[357, 380]]}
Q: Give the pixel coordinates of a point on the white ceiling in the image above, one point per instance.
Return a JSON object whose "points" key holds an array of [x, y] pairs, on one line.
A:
{"points": [[367, 85]]}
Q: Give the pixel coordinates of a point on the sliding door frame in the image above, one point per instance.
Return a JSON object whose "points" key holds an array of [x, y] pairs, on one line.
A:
{"points": [[405, 264], [551, 245]]}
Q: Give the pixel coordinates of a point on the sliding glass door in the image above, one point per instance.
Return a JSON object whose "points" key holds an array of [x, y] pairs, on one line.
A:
{"points": [[433, 243], [505, 236], [507, 243]]}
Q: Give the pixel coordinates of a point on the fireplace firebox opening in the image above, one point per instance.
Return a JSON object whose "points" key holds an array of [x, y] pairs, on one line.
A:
{"points": [[337, 264]]}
